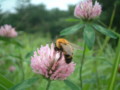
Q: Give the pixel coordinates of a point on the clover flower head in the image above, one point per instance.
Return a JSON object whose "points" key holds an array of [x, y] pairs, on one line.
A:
{"points": [[86, 10], [8, 31], [47, 62]]}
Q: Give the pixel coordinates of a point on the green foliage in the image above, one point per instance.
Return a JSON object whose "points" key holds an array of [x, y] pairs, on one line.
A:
{"points": [[71, 85], [105, 31], [25, 84], [107, 10], [89, 36], [36, 18], [88, 33], [49, 23], [8, 40], [72, 29], [115, 68], [2, 87], [72, 20], [9, 54], [5, 83]]}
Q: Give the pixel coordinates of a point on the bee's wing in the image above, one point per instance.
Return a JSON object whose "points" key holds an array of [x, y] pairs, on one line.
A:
{"points": [[67, 48], [76, 46]]}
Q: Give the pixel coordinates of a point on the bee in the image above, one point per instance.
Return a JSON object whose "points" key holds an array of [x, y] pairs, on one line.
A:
{"points": [[65, 47]]}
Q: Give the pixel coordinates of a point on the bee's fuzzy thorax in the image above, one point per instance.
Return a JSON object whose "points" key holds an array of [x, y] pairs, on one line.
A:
{"points": [[61, 40]]}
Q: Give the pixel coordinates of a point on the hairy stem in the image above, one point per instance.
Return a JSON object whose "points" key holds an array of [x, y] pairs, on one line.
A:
{"points": [[82, 62], [48, 85]]}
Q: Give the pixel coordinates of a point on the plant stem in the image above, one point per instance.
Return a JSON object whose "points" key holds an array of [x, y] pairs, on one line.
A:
{"points": [[48, 85], [82, 62], [115, 68]]}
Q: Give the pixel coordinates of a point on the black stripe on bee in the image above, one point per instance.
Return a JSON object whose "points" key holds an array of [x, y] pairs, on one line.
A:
{"points": [[68, 59]]}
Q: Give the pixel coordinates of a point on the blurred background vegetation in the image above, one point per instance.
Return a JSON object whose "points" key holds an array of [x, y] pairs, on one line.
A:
{"points": [[32, 18], [40, 26]]}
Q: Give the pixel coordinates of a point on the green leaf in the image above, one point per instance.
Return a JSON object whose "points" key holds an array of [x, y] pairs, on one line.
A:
{"points": [[25, 84], [5, 82], [89, 36], [2, 87], [72, 20], [105, 31], [71, 30], [71, 85]]}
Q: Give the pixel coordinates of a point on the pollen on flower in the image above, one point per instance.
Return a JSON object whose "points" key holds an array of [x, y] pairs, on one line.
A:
{"points": [[45, 62], [86, 10], [8, 31]]}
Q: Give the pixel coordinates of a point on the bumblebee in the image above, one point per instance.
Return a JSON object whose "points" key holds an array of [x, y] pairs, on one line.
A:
{"points": [[65, 47]]}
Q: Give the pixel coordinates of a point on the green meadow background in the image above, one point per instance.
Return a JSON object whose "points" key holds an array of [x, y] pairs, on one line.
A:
{"points": [[38, 26]]}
